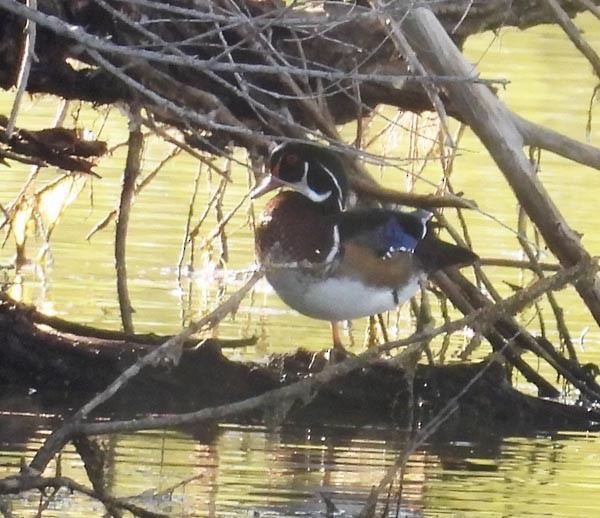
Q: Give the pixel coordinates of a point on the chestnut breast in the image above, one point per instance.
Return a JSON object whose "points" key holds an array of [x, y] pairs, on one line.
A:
{"points": [[293, 228]]}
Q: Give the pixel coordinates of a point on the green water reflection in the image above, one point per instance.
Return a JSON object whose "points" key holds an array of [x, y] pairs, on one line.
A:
{"points": [[243, 469]]}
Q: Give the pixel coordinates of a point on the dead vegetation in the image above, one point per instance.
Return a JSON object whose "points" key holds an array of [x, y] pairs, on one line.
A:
{"points": [[211, 76]]}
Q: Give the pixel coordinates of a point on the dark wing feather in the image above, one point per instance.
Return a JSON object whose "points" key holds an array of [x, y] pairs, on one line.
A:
{"points": [[382, 231], [386, 231]]}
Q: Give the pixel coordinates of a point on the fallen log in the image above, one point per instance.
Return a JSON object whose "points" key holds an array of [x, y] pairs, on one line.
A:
{"points": [[48, 355]]}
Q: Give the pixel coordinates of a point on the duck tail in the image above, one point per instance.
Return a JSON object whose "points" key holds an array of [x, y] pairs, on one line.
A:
{"points": [[435, 254]]}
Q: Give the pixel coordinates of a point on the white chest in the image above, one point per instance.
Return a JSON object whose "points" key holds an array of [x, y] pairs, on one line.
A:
{"points": [[339, 298]]}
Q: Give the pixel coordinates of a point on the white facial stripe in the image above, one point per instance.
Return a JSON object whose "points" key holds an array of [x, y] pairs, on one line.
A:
{"points": [[333, 177], [424, 221], [336, 245], [304, 180], [337, 184], [424, 216], [303, 187]]}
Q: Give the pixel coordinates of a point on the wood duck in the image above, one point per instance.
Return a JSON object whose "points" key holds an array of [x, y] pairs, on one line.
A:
{"points": [[335, 264]]}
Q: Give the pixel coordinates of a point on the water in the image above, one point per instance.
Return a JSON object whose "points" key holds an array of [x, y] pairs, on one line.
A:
{"points": [[236, 470], [233, 470]]}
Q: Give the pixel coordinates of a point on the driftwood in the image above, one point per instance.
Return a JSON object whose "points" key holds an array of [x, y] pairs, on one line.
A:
{"points": [[58, 147]]}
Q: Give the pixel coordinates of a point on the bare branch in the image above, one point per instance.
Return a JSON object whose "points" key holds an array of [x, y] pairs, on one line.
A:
{"points": [[132, 169], [168, 351], [478, 319], [27, 57], [574, 35], [496, 128]]}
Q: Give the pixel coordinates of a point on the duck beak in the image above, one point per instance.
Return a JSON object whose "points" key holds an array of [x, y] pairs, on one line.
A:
{"points": [[267, 184]]}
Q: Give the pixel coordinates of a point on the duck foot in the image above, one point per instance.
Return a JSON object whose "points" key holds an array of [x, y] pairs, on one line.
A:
{"points": [[331, 356]]}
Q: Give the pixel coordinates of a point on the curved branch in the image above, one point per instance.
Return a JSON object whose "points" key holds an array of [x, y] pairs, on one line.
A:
{"points": [[135, 149]]}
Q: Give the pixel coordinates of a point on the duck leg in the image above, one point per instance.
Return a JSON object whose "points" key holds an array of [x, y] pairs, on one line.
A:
{"points": [[333, 355], [335, 334], [339, 351]]}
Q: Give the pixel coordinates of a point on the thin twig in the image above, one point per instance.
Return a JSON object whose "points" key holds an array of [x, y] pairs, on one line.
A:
{"points": [[188, 223], [221, 224], [406, 50], [516, 263], [27, 57], [132, 170], [208, 162]]}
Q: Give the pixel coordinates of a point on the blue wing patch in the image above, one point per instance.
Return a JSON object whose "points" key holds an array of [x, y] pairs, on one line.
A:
{"points": [[384, 231], [396, 238]]}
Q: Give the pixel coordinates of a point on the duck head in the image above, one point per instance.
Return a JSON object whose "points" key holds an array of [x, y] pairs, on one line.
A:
{"points": [[312, 170]]}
